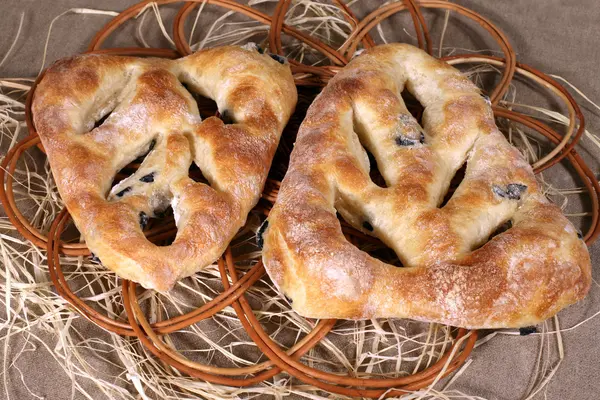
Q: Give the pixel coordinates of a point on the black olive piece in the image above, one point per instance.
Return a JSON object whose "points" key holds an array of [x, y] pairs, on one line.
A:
{"points": [[528, 330], [514, 190], [260, 49], [95, 259], [367, 225], [122, 192], [147, 178], [404, 141], [498, 191], [259, 234], [278, 58], [143, 220], [226, 117]]}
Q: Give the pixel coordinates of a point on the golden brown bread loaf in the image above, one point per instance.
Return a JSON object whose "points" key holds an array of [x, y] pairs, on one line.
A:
{"points": [[152, 112], [451, 273]]}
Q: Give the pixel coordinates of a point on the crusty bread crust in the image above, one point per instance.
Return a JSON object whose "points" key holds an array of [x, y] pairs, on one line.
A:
{"points": [[151, 109], [452, 274]]}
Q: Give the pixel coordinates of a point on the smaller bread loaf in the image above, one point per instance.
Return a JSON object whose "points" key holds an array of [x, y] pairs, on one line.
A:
{"points": [[150, 112]]}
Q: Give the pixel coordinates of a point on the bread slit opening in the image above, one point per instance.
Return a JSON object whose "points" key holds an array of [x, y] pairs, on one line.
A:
{"points": [[374, 172], [161, 225], [454, 184], [360, 139], [499, 230], [207, 107], [132, 167], [101, 120], [413, 105], [195, 173], [371, 244]]}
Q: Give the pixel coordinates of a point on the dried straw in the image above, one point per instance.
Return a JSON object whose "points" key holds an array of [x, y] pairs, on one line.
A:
{"points": [[382, 348]]}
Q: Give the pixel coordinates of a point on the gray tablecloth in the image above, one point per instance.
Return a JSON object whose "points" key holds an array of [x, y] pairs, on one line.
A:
{"points": [[554, 36]]}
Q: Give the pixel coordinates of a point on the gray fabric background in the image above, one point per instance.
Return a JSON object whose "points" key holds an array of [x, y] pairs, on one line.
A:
{"points": [[555, 36]]}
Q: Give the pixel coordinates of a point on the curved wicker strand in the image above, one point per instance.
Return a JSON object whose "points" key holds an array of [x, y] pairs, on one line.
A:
{"points": [[385, 11], [547, 82], [221, 301], [311, 339], [312, 376]]}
